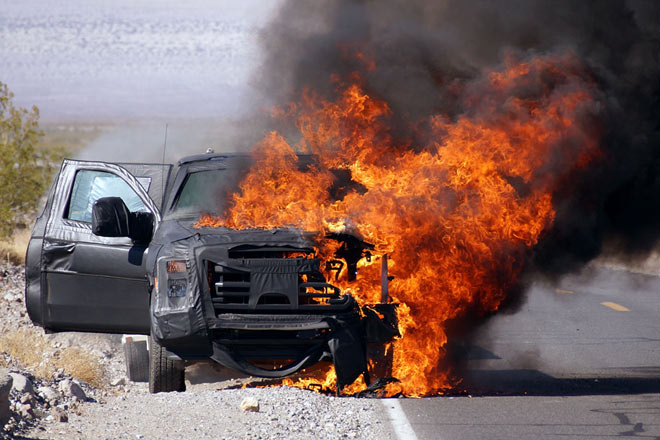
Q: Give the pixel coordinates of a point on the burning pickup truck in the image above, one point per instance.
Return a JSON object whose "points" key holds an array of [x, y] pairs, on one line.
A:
{"points": [[119, 248]]}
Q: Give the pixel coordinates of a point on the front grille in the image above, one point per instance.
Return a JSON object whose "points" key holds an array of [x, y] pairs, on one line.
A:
{"points": [[230, 286], [273, 280]]}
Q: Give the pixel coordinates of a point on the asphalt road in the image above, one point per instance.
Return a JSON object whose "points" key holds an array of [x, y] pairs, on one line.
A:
{"points": [[578, 360]]}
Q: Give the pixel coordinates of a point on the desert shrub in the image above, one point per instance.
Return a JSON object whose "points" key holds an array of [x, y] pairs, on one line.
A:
{"points": [[80, 364], [29, 348], [13, 249], [25, 170]]}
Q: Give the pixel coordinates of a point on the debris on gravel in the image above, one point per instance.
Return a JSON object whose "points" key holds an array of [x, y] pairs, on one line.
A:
{"points": [[250, 404], [21, 384]]}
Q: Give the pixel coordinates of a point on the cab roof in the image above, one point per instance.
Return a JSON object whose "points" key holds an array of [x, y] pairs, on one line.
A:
{"points": [[219, 157], [209, 156]]}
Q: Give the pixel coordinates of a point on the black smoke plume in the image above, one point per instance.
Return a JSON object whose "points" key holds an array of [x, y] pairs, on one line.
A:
{"points": [[426, 51]]}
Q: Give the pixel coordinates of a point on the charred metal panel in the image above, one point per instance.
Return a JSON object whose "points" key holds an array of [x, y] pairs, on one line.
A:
{"points": [[380, 323], [231, 358], [349, 351]]}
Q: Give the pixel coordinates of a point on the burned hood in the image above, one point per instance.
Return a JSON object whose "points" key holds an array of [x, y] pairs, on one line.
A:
{"points": [[177, 230]]}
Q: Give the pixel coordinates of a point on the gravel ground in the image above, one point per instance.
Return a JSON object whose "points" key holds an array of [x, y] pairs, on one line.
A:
{"points": [[209, 409], [284, 413]]}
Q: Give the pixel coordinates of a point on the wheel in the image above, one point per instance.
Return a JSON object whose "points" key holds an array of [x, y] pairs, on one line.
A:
{"points": [[164, 375], [136, 356]]}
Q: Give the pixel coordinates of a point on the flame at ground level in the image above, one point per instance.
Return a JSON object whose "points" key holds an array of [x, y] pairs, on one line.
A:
{"points": [[457, 215]]}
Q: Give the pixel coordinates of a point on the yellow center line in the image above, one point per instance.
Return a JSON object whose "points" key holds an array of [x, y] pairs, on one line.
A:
{"points": [[615, 306], [564, 291]]}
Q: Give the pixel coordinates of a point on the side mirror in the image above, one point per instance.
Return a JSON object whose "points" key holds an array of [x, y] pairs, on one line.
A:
{"points": [[111, 218]]}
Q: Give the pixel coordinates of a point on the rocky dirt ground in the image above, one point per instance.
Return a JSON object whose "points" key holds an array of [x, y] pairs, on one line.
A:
{"points": [[50, 398]]}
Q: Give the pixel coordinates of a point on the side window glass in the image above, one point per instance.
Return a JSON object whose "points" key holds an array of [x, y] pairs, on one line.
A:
{"points": [[91, 185]]}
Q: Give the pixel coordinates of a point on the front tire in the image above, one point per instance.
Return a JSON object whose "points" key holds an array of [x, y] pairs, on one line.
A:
{"points": [[164, 375]]}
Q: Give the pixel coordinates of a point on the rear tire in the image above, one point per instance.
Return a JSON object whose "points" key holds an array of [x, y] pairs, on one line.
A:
{"points": [[136, 356], [164, 375]]}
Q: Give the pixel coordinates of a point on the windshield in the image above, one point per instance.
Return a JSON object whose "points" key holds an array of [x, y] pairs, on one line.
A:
{"points": [[207, 187], [204, 191]]}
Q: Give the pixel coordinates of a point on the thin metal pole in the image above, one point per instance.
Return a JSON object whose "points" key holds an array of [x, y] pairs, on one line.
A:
{"points": [[384, 282]]}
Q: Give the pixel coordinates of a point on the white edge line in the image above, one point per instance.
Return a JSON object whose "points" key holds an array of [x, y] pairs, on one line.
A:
{"points": [[402, 427]]}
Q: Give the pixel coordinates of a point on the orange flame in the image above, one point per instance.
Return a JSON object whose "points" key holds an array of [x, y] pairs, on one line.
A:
{"points": [[457, 216]]}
